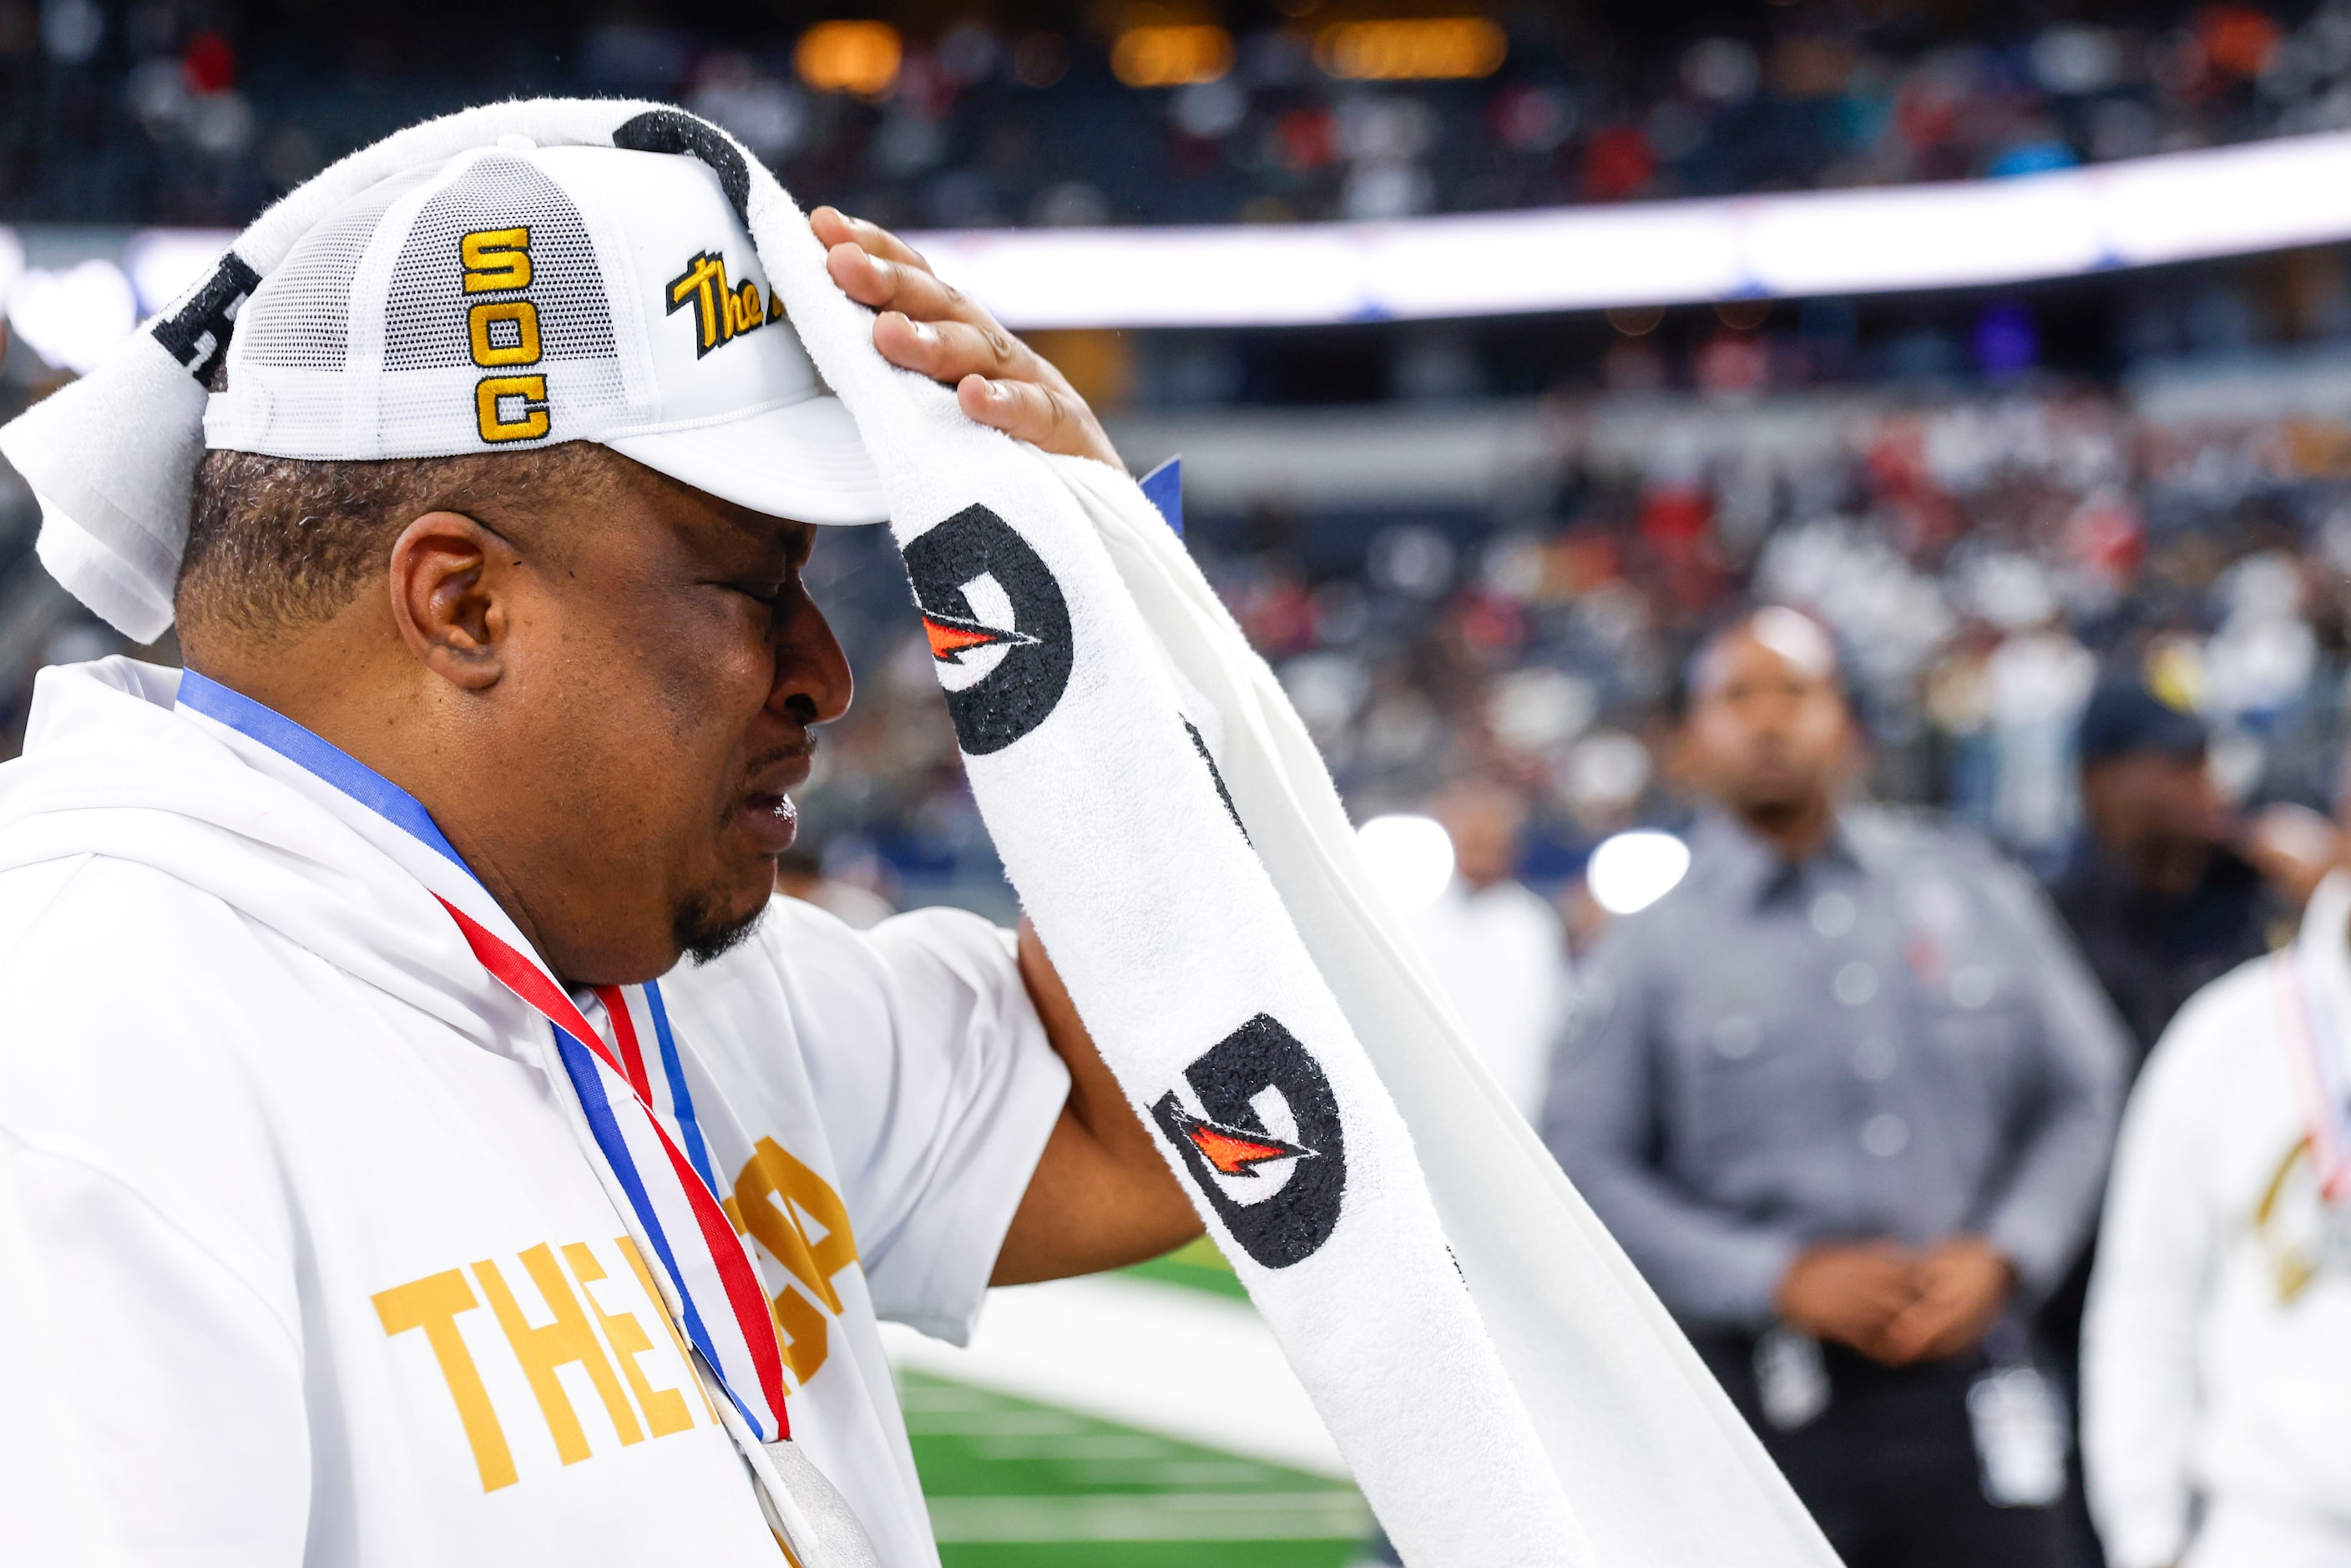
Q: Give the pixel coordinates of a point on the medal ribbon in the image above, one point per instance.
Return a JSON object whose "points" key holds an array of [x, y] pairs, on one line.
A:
{"points": [[671, 1193], [2315, 1046]]}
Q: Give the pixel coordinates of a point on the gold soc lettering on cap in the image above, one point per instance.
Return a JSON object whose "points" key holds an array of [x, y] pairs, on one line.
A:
{"points": [[502, 333]]}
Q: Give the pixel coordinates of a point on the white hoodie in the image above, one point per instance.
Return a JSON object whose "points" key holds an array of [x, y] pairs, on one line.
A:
{"points": [[2216, 1359], [325, 1276]]}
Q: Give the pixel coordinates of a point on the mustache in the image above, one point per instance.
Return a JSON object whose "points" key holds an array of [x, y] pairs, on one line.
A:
{"points": [[804, 754], [804, 750]]}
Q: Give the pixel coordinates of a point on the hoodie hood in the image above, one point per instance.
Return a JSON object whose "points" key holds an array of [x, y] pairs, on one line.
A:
{"points": [[113, 767]]}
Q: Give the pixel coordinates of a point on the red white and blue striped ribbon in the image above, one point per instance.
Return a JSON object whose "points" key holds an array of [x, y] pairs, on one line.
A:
{"points": [[632, 1088], [2314, 1043], [673, 1200]]}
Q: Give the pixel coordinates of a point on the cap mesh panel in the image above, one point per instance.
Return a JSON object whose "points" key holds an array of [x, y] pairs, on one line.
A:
{"points": [[304, 317], [295, 332], [424, 311]]}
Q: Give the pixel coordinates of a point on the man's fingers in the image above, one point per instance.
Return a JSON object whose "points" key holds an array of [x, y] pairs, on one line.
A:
{"points": [[1022, 410], [1051, 417], [1886, 1342], [1872, 1299], [1942, 1322], [1891, 1304], [868, 278], [894, 285], [935, 329], [1905, 1337], [950, 350], [834, 227], [1889, 1293]]}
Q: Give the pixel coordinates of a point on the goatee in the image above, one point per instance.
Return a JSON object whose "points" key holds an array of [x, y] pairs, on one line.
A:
{"points": [[705, 930]]}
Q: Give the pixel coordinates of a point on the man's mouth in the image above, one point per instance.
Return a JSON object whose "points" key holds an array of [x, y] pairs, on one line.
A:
{"points": [[770, 820], [766, 812]]}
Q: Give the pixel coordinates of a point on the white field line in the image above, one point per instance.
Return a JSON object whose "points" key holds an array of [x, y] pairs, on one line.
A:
{"points": [[1184, 1363], [1154, 1516]]}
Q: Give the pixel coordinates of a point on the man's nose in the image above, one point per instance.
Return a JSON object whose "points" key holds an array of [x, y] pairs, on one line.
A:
{"points": [[813, 683], [1775, 714]]}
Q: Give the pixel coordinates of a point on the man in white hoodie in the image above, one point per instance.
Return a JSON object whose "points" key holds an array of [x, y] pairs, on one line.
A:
{"points": [[1496, 945], [342, 1254], [2216, 1359]]}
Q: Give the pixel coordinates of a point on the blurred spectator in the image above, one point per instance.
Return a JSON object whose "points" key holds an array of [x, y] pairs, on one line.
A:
{"points": [[2159, 901], [2218, 1340], [1845, 1095], [1496, 945], [801, 873], [2035, 683]]}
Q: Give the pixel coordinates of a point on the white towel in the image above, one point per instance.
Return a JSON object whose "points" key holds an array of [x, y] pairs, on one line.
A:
{"points": [[1505, 1387]]}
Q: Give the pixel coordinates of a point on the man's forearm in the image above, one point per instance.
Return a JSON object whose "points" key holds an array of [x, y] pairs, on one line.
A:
{"points": [[1103, 1195], [1097, 1103], [2044, 1216]]}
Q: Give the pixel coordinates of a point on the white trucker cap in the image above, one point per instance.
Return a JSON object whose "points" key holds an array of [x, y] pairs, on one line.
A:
{"points": [[517, 295]]}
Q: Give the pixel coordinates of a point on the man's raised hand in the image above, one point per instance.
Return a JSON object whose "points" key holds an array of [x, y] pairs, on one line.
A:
{"points": [[933, 327]]}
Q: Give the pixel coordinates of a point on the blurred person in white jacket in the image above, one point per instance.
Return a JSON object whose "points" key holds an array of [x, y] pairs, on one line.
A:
{"points": [[1498, 947], [2217, 1353]]}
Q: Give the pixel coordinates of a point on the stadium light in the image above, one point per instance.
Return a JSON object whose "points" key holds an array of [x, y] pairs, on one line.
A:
{"points": [[1171, 56], [2170, 207], [1631, 871], [162, 262], [1409, 856], [1627, 258], [1433, 48], [848, 57], [72, 319]]}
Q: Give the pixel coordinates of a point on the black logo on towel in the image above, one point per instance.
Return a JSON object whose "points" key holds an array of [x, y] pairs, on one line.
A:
{"points": [[676, 131], [198, 335], [998, 625], [1200, 744], [1304, 1173]]}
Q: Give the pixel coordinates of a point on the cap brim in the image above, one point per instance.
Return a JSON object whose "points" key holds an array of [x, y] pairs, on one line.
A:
{"points": [[802, 461]]}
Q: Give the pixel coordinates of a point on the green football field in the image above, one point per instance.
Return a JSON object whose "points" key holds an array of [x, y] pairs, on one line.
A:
{"points": [[1015, 1483]]}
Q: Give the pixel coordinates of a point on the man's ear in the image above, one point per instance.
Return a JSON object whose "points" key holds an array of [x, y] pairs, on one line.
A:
{"points": [[451, 582]]}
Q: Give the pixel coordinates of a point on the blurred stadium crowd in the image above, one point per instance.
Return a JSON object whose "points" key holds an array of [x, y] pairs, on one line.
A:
{"points": [[1155, 113], [1983, 557]]}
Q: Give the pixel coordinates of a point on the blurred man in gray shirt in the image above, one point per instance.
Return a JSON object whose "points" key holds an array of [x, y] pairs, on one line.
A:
{"points": [[1846, 1094]]}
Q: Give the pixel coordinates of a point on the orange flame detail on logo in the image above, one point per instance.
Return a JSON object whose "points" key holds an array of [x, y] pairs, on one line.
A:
{"points": [[1237, 1154]]}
